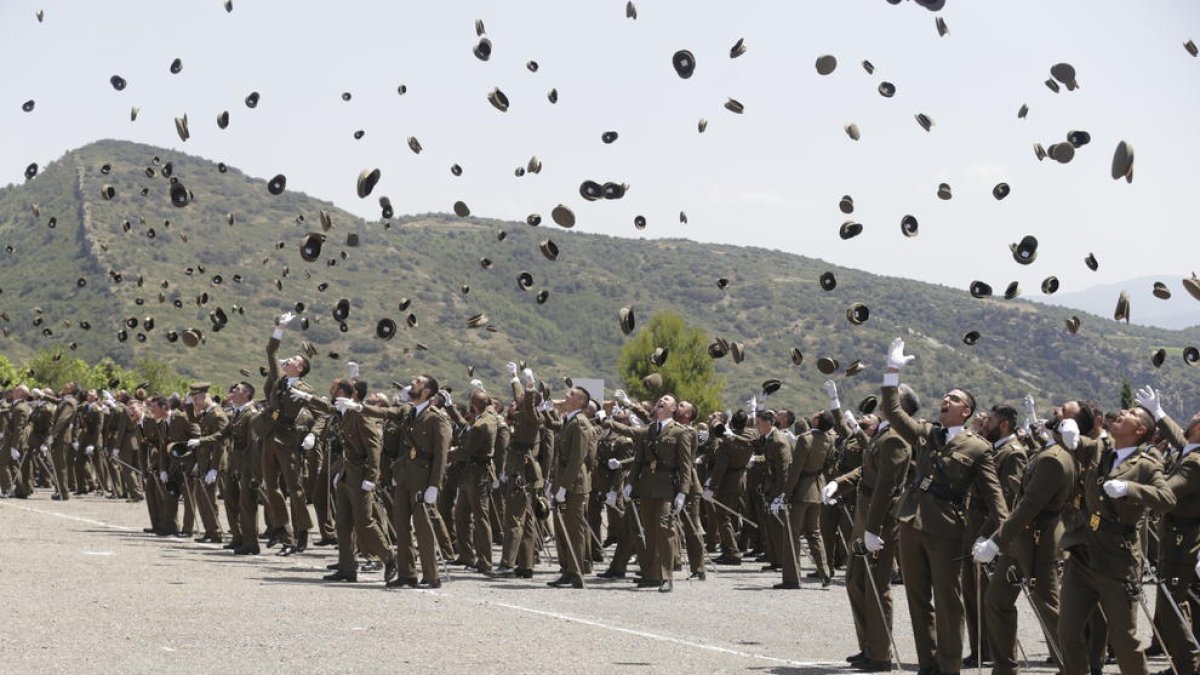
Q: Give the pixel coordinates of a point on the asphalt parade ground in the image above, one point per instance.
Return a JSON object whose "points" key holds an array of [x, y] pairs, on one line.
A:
{"points": [[85, 590]]}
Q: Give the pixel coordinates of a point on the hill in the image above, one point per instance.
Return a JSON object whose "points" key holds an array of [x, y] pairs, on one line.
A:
{"points": [[1180, 311], [113, 262]]}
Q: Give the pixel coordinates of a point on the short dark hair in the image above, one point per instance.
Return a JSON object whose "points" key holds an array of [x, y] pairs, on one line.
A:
{"points": [[305, 366], [248, 387], [823, 420], [785, 417], [360, 388], [587, 397], [1005, 413], [344, 386], [738, 421], [1088, 416], [1147, 419], [970, 400], [431, 384]]}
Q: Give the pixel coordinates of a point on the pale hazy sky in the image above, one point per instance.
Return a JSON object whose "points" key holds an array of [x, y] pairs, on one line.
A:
{"points": [[771, 177]]}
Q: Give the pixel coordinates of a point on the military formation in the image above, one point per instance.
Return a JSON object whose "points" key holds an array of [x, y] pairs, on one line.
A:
{"points": [[974, 509]]}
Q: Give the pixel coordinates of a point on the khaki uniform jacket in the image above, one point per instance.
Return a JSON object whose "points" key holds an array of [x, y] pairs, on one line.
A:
{"points": [[806, 475], [212, 423], [362, 442], [572, 447], [478, 444], [425, 439], [880, 479], [1179, 536], [92, 426], [944, 471], [777, 453], [18, 432], [178, 428], [661, 463], [1036, 516], [245, 454], [1107, 535], [41, 421], [114, 426], [63, 426], [731, 456]]}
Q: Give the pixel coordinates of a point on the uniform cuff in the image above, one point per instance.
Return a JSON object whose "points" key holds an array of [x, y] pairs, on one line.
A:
{"points": [[891, 379], [277, 334]]}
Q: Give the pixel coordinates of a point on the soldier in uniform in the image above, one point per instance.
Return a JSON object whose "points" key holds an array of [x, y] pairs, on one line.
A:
{"points": [[1028, 542], [1179, 534], [801, 499], [244, 479], [361, 434], [424, 448], [625, 528], [661, 477], [17, 435], [288, 435], [89, 467], [174, 429], [777, 457], [147, 462], [569, 488], [879, 481], [41, 421], [208, 447], [521, 482], [1105, 564], [948, 459], [62, 430], [472, 508], [693, 530], [727, 480], [998, 427]]}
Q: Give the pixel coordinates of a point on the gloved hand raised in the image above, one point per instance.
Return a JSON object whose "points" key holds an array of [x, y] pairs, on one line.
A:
{"points": [[285, 319], [851, 422], [1069, 430], [896, 357], [308, 442], [831, 392], [512, 369], [300, 395], [1149, 399]]}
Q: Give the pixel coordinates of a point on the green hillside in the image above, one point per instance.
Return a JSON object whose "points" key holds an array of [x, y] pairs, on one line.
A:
{"points": [[773, 301]]}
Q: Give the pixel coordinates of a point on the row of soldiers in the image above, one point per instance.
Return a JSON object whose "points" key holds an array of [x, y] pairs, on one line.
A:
{"points": [[976, 508]]}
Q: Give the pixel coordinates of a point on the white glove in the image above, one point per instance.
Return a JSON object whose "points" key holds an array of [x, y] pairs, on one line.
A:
{"points": [[621, 396], [701, 438], [872, 542], [1198, 564], [613, 464], [679, 499], [610, 498], [115, 452], [561, 495], [1030, 408], [752, 404], [284, 319], [601, 415], [352, 370], [503, 477], [300, 395], [367, 486], [776, 504], [431, 494], [406, 393], [829, 491], [50, 441], [89, 450], [708, 495], [984, 551], [16, 454], [527, 376], [1116, 488], [544, 406], [512, 369], [210, 477], [337, 477], [476, 384], [446, 397], [831, 392], [193, 442], [343, 404], [628, 490], [308, 442], [1148, 399], [852, 422], [162, 477], [74, 444], [495, 483], [549, 489], [44, 449], [1069, 430], [896, 357]]}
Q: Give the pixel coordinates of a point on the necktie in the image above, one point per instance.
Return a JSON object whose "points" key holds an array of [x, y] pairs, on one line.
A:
{"points": [[1106, 463], [942, 433]]}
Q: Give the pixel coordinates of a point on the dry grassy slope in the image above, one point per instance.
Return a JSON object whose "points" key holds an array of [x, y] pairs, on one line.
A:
{"points": [[428, 258]]}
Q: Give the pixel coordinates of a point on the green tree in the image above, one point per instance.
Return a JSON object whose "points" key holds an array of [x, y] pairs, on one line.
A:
{"points": [[1126, 395], [8, 373], [53, 368], [688, 372], [159, 375]]}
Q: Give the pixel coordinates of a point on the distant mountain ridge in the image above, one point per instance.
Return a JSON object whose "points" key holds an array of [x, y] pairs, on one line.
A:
{"points": [[1178, 312], [104, 256]]}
